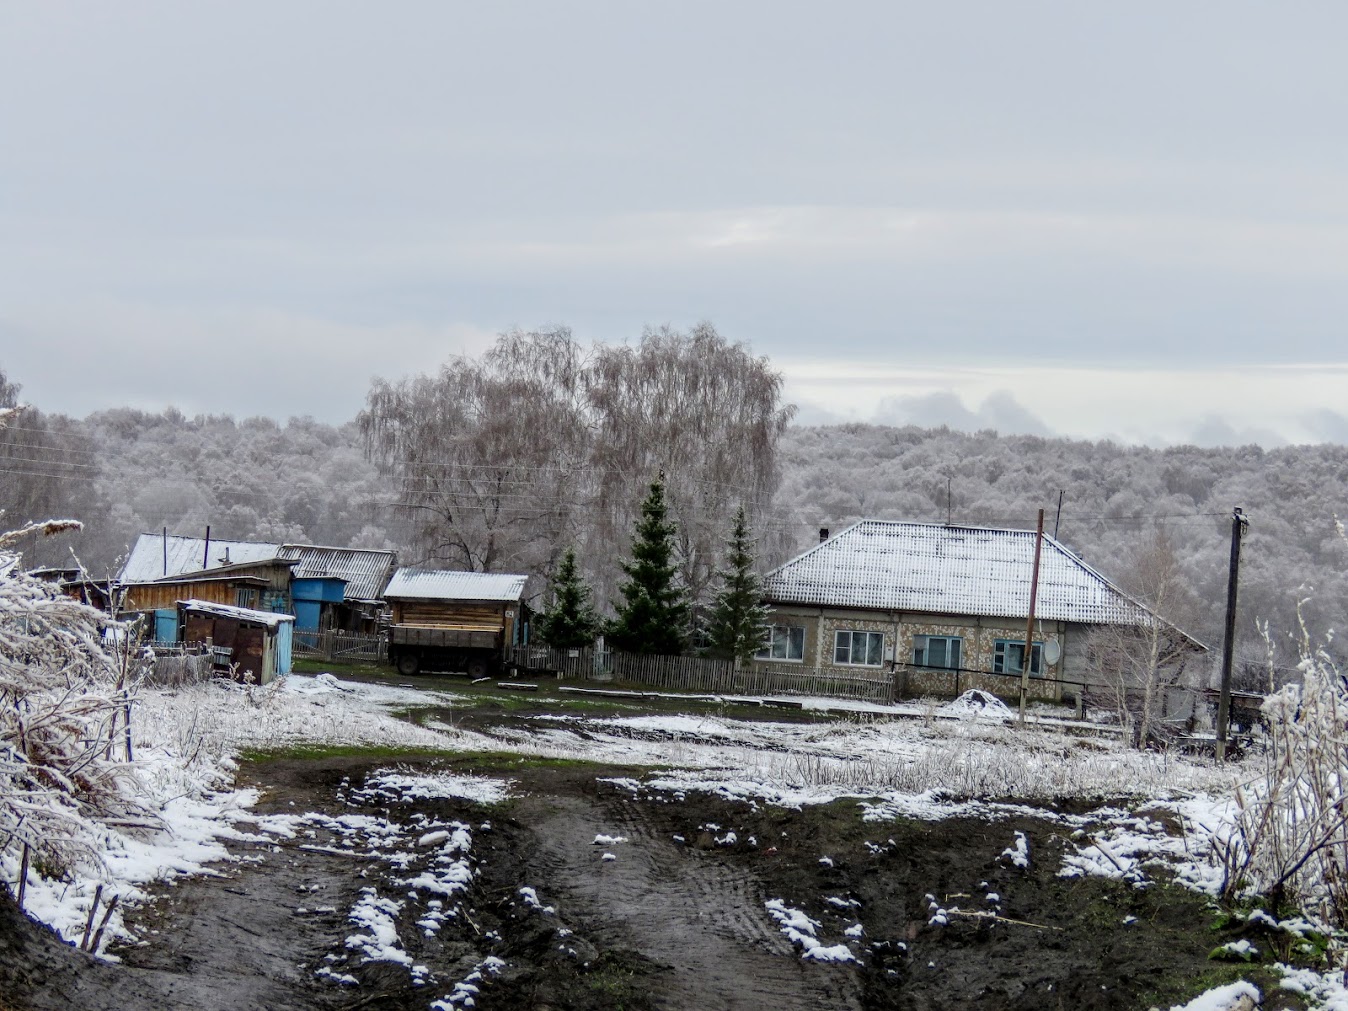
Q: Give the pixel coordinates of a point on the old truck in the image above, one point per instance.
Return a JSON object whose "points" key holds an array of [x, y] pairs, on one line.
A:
{"points": [[463, 622]]}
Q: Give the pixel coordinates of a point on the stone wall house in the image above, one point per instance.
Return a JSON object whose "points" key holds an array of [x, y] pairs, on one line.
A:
{"points": [[944, 609]]}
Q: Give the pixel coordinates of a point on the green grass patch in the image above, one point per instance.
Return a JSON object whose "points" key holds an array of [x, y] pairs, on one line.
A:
{"points": [[1181, 987], [305, 665], [318, 751]]}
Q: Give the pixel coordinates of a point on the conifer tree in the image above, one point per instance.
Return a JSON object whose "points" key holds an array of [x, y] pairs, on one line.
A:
{"points": [[653, 615], [571, 621], [738, 615]]}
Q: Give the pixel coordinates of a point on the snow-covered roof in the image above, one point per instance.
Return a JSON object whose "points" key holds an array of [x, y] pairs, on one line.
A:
{"points": [[365, 571], [269, 618], [927, 567], [444, 584], [145, 563]]}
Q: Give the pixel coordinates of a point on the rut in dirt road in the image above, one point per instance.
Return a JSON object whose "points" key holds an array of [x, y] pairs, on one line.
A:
{"points": [[677, 906]]}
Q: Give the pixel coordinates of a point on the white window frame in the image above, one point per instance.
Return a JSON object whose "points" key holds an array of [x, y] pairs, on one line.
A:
{"points": [[999, 657], [922, 643], [851, 649], [782, 635]]}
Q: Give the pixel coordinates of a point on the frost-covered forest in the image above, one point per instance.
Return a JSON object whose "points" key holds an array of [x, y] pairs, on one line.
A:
{"points": [[125, 471]]}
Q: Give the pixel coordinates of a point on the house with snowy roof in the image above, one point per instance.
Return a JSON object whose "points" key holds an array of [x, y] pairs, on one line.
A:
{"points": [[944, 609]]}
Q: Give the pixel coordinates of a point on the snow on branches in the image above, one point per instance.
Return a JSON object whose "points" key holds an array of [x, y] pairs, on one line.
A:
{"points": [[1289, 839], [66, 676]]}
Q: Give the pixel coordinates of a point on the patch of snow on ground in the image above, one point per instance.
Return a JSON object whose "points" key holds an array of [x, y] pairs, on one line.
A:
{"points": [[800, 930], [405, 785], [1241, 949], [466, 990], [1018, 852], [1329, 990], [530, 897], [978, 704], [380, 941], [1222, 998], [1123, 846]]}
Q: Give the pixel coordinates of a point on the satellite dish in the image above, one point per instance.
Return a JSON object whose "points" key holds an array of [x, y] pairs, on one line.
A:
{"points": [[1052, 651]]}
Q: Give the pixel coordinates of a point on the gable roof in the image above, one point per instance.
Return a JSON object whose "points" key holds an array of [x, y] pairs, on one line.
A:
{"points": [[145, 563], [894, 566], [444, 584], [365, 571]]}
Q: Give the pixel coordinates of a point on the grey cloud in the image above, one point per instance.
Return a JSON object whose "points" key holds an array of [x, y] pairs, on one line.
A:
{"points": [[1217, 431], [1000, 411], [1326, 425]]}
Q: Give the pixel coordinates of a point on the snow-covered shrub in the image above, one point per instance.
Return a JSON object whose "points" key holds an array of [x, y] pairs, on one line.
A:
{"points": [[64, 684], [1289, 839]]}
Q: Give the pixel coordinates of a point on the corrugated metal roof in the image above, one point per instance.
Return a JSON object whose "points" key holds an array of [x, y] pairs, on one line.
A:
{"points": [[444, 584], [892, 566], [145, 563], [365, 571]]}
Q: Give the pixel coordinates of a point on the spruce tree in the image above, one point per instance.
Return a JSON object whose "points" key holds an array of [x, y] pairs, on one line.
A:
{"points": [[571, 621], [738, 615], [653, 615]]}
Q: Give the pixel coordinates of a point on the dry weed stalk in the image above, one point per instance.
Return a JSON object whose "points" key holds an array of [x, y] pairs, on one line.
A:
{"points": [[1289, 840]]}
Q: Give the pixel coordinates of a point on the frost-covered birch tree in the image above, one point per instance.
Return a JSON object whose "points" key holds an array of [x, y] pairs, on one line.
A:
{"points": [[700, 409], [1139, 664], [502, 462], [487, 455]]}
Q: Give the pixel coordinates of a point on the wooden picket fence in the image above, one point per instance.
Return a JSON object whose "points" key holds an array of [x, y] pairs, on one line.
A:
{"points": [[701, 674], [332, 645]]}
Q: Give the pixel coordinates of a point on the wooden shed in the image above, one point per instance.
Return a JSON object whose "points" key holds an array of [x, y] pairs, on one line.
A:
{"points": [[262, 585], [249, 642], [439, 598]]}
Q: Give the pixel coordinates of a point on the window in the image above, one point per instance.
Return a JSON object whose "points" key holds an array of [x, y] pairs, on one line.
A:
{"points": [[1009, 655], [245, 596], [785, 642], [859, 648], [943, 651]]}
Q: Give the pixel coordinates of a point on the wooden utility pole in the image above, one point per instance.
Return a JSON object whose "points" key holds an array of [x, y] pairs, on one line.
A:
{"points": [[1239, 524], [1028, 655]]}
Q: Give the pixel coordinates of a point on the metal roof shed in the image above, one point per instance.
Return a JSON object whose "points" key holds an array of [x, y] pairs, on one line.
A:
{"points": [[251, 642]]}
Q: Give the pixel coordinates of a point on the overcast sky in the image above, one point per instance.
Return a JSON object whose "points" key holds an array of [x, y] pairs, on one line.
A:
{"points": [[1088, 219]]}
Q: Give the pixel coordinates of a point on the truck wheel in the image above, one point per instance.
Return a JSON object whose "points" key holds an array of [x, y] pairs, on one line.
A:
{"points": [[408, 664], [477, 668]]}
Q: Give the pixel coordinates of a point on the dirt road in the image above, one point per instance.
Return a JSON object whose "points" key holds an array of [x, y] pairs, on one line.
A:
{"points": [[516, 906]]}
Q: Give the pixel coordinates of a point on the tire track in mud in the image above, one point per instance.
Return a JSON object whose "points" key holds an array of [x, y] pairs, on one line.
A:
{"points": [[689, 910]]}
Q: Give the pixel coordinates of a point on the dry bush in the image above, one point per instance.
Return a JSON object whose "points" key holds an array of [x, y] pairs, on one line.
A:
{"points": [[64, 685], [1289, 840]]}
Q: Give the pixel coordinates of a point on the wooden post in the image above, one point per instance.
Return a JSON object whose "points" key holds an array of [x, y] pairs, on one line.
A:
{"points": [[23, 876], [89, 924], [1238, 525], [102, 925], [1028, 656]]}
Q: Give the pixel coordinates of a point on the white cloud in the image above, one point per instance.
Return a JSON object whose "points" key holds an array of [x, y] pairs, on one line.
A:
{"points": [[1263, 404]]}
